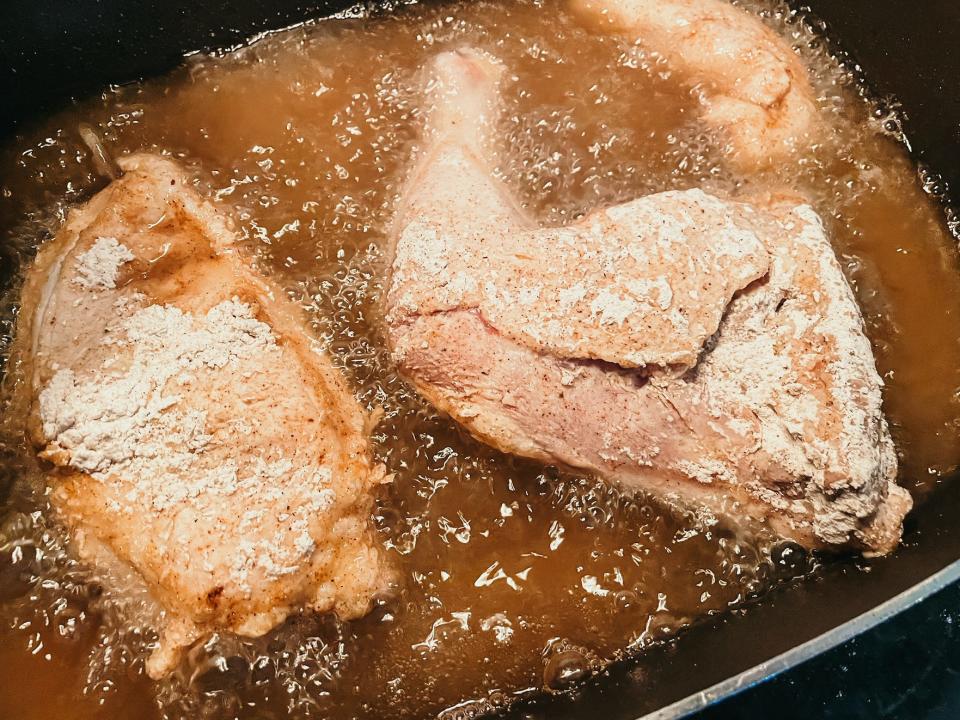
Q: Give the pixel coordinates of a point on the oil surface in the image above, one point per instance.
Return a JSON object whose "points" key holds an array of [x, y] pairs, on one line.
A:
{"points": [[514, 578]]}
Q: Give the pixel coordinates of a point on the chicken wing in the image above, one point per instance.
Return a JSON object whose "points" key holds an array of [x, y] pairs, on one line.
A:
{"points": [[755, 88]]}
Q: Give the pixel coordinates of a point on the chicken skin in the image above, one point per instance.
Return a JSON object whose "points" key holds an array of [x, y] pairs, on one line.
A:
{"points": [[754, 87], [705, 351], [199, 439]]}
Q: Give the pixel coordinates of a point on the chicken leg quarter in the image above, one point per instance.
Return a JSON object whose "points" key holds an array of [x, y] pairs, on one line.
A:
{"points": [[705, 351]]}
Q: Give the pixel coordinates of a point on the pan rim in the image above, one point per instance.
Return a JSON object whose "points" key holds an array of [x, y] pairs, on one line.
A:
{"points": [[799, 654]]}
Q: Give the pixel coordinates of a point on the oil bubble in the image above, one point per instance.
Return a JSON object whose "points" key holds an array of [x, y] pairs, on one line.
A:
{"points": [[215, 666], [565, 669], [789, 559], [566, 664], [18, 565]]}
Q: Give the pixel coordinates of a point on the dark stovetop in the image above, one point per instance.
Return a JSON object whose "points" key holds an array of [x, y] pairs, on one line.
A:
{"points": [[905, 669]]}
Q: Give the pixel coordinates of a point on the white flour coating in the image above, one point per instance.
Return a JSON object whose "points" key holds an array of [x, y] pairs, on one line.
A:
{"points": [[659, 270], [114, 418], [128, 425], [98, 267], [749, 367]]}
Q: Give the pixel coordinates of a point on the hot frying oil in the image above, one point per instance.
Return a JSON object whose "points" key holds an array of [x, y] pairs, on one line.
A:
{"points": [[514, 578]]}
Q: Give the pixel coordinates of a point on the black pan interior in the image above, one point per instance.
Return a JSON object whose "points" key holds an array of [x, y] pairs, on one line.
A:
{"points": [[51, 52]]}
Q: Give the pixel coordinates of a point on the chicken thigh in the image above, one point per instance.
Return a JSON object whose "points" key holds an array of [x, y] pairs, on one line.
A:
{"points": [[754, 87], [705, 351], [199, 439]]}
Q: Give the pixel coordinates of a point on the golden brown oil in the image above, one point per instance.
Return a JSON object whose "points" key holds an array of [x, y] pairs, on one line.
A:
{"points": [[514, 578]]}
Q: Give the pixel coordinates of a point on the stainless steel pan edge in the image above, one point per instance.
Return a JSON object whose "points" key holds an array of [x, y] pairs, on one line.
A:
{"points": [[800, 654]]}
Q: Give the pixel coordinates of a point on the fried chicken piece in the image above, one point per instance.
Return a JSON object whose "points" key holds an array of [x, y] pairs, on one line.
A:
{"points": [[200, 440], [705, 351], [755, 88]]}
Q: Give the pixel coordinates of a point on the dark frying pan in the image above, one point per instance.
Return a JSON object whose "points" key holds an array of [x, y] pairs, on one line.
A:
{"points": [[51, 52]]}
